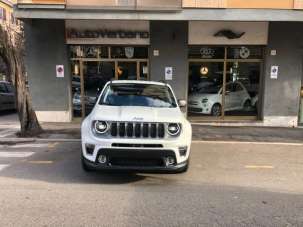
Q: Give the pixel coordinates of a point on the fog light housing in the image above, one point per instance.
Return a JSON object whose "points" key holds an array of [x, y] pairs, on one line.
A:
{"points": [[169, 161], [102, 159], [183, 151], [89, 149]]}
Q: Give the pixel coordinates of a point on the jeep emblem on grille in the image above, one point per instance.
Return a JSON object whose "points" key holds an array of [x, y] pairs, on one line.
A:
{"points": [[138, 118]]}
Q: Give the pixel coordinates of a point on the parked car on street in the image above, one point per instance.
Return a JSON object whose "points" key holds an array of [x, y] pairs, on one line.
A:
{"points": [[7, 96], [136, 125], [209, 101]]}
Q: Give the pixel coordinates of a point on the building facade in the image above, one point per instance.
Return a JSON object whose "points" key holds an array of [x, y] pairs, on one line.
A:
{"points": [[235, 62]]}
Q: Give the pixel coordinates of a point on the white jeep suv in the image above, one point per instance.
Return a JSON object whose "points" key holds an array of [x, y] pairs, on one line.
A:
{"points": [[136, 125]]}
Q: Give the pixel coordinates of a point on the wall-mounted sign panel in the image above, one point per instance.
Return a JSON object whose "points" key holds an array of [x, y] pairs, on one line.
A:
{"points": [[227, 33], [107, 32]]}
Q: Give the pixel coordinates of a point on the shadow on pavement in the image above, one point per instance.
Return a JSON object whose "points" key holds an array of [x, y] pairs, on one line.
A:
{"points": [[7, 112], [63, 165]]}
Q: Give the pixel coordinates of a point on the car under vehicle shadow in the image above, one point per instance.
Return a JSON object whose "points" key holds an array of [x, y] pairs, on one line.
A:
{"points": [[63, 165], [7, 112]]}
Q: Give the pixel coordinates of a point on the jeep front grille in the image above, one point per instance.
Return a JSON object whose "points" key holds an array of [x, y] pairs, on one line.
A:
{"points": [[137, 130]]}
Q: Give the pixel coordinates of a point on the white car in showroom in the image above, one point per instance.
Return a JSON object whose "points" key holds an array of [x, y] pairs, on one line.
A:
{"points": [[136, 125], [209, 101]]}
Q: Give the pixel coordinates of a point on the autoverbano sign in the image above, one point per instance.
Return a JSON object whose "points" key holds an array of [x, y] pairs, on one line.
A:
{"points": [[107, 32]]}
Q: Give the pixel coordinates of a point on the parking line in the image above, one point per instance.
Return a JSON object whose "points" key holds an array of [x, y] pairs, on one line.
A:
{"points": [[245, 143], [33, 145], [2, 167], [15, 154], [258, 167], [41, 162]]}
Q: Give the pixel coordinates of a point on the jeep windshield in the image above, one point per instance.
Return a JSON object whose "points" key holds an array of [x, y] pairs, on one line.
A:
{"points": [[147, 95]]}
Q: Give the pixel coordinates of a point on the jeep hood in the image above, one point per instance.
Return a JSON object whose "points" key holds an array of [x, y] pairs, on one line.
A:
{"points": [[136, 113]]}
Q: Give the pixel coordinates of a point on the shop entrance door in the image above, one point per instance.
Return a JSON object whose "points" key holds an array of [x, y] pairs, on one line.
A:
{"points": [[94, 65], [93, 75]]}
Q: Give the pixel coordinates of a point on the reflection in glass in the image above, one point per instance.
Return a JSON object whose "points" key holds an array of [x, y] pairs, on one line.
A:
{"points": [[205, 89], [127, 70], [143, 71], [242, 89], [96, 75], [76, 88]]}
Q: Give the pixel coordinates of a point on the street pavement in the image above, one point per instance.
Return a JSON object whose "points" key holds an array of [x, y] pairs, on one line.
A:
{"points": [[228, 184]]}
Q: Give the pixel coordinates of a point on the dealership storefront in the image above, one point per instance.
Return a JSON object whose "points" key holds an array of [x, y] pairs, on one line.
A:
{"points": [[228, 71]]}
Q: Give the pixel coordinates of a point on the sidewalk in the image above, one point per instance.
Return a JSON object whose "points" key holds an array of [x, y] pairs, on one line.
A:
{"points": [[71, 131]]}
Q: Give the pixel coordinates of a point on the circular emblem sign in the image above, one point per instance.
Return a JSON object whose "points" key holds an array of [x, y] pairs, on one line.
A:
{"points": [[204, 70], [244, 52]]}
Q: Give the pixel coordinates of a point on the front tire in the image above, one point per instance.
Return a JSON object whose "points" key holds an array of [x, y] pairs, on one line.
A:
{"points": [[216, 110]]}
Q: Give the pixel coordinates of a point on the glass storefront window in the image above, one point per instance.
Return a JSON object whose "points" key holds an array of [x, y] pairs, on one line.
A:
{"points": [[127, 70], [89, 51], [92, 66], [245, 52], [242, 87], [240, 79], [206, 52], [95, 75], [143, 71], [129, 52], [205, 89]]}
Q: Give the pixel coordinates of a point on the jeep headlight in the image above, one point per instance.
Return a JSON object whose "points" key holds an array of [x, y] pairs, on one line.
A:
{"points": [[173, 129], [100, 127]]}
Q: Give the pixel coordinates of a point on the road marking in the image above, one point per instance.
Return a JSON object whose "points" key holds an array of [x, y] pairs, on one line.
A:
{"points": [[2, 167], [258, 167], [15, 154], [52, 145], [6, 133], [41, 162], [245, 143], [32, 145]]}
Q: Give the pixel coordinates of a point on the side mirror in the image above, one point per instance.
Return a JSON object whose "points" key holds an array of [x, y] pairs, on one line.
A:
{"points": [[182, 103]]}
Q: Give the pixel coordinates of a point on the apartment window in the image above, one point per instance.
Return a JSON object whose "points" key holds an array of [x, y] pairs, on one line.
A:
{"points": [[2, 14]]}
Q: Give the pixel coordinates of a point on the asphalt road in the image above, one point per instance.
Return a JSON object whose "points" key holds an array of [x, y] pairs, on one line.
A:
{"points": [[228, 184]]}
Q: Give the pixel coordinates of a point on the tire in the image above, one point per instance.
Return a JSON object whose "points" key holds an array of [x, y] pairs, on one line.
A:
{"points": [[247, 105], [85, 167], [216, 110]]}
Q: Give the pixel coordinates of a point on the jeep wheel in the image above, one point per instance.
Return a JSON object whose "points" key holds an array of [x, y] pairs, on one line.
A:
{"points": [[216, 110]]}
